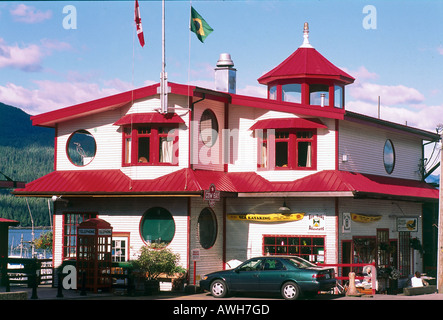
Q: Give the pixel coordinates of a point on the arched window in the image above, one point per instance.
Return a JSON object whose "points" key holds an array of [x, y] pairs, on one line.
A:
{"points": [[157, 225], [207, 228], [208, 128]]}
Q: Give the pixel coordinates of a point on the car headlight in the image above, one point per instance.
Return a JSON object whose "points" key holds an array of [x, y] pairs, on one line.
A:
{"points": [[205, 277]]}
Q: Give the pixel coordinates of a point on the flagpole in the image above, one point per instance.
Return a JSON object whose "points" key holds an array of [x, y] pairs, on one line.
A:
{"points": [[163, 75]]}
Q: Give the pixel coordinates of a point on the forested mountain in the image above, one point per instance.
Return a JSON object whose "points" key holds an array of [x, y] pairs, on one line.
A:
{"points": [[26, 153]]}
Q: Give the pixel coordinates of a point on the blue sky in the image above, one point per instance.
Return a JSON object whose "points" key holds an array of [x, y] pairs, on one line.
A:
{"points": [[44, 66]]}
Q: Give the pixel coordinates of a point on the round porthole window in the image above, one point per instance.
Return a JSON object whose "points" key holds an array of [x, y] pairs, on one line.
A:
{"points": [[208, 128], [81, 148], [207, 228], [389, 156], [157, 226]]}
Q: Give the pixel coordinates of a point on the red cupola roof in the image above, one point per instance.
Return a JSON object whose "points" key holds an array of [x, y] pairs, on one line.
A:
{"points": [[306, 62]]}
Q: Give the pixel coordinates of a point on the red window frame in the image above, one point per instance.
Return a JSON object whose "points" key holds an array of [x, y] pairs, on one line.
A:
{"points": [[293, 245], [289, 136], [71, 220], [155, 133]]}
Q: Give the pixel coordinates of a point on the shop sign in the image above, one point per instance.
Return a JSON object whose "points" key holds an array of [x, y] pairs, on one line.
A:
{"points": [[195, 254], [407, 224], [364, 218], [270, 217], [212, 195], [316, 222], [86, 232]]}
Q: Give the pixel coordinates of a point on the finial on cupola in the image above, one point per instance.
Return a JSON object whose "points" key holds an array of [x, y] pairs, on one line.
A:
{"points": [[306, 43]]}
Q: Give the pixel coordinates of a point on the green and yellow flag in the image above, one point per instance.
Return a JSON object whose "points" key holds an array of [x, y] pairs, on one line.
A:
{"points": [[199, 25]]}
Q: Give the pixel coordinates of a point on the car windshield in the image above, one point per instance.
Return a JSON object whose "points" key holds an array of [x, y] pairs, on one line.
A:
{"points": [[300, 263]]}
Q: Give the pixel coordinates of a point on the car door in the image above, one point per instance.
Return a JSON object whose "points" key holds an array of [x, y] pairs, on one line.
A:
{"points": [[272, 275], [246, 276]]}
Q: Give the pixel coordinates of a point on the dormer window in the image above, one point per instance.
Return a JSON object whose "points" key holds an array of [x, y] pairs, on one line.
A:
{"points": [[150, 145], [288, 143], [289, 149], [150, 139]]}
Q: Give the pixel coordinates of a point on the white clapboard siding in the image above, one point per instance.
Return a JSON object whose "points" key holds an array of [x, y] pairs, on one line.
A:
{"points": [[244, 239], [364, 145], [203, 157], [125, 215], [210, 259], [389, 210], [108, 140]]}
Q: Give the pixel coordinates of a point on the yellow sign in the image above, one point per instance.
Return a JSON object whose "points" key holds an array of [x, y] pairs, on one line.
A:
{"points": [[271, 217], [364, 218]]}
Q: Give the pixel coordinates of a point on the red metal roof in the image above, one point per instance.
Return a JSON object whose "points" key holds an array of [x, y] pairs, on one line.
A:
{"points": [[286, 123], [151, 117], [9, 222], [306, 63], [187, 181]]}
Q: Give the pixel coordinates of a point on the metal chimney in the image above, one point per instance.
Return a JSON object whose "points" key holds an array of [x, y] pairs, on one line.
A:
{"points": [[225, 74]]}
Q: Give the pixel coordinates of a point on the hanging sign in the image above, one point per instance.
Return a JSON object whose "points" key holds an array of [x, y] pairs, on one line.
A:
{"points": [[316, 222], [212, 195], [270, 217], [364, 218], [407, 224]]}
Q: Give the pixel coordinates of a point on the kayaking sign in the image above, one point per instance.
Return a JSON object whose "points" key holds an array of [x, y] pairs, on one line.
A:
{"points": [[269, 217]]}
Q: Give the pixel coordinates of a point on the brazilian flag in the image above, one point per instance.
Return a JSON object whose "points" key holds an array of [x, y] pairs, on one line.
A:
{"points": [[199, 25]]}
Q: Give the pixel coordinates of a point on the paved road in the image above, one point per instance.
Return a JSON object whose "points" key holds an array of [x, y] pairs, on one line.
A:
{"points": [[49, 293]]}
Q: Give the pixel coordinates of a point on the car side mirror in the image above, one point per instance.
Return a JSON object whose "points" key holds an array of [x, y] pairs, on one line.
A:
{"points": [[237, 270]]}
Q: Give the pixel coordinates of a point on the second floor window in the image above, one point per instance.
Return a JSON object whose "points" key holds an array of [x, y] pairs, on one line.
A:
{"points": [[150, 145], [287, 149]]}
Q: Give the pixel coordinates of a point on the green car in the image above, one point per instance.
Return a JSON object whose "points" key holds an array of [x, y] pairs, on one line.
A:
{"points": [[288, 275]]}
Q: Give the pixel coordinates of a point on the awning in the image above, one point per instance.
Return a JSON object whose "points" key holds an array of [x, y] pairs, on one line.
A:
{"points": [[287, 123], [152, 117]]}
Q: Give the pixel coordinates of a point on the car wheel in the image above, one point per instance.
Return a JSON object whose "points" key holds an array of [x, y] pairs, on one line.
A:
{"points": [[290, 291], [219, 289]]}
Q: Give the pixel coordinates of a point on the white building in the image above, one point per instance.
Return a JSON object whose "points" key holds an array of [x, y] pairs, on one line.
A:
{"points": [[295, 173]]}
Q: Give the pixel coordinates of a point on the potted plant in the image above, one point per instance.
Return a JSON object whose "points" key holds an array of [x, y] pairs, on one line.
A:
{"points": [[155, 260]]}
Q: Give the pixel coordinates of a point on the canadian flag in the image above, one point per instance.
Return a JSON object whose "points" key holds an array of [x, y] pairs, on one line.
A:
{"points": [[138, 23]]}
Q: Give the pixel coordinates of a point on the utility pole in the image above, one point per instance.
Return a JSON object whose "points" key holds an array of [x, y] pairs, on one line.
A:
{"points": [[440, 230]]}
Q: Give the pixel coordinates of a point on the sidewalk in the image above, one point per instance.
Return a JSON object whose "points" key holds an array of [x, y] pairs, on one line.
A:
{"points": [[49, 293]]}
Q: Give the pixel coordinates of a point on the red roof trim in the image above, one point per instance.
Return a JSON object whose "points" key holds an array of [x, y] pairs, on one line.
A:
{"points": [[9, 222], [49, 119], [286, 123], [295, 108], [306, 63], [152, 117], [187, 181]]}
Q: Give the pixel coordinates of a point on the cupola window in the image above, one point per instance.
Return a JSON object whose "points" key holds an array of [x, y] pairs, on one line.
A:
{"points": [[319, 95], [273, 93], [291, 92], [338, 97]]}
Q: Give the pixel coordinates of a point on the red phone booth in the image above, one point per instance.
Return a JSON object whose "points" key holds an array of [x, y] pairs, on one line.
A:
{"points": [[94, 242]]}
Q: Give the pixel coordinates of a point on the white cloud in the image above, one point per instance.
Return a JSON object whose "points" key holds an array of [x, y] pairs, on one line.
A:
{"points": [[27, 14], [25, 58], [51, 95], [28, 58], [391, 95]]}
